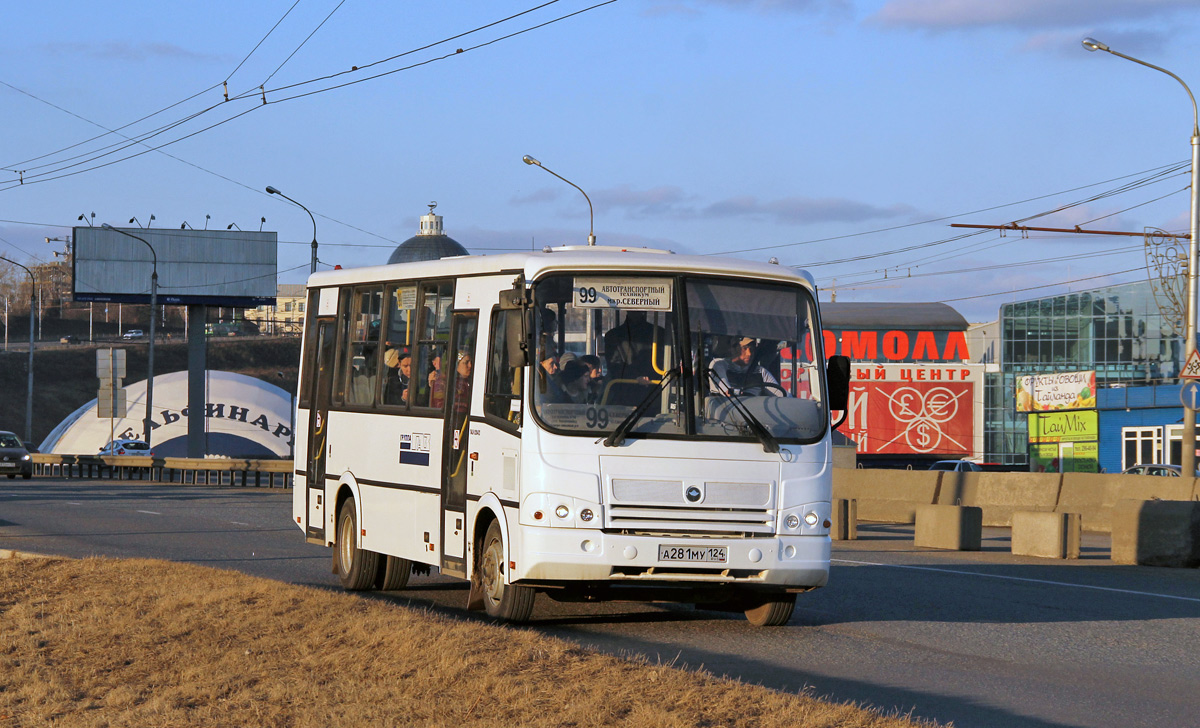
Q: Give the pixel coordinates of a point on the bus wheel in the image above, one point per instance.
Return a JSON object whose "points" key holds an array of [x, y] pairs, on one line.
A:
{"points": [[392, 574], [771, 610], [356, 567], [508, 602]]}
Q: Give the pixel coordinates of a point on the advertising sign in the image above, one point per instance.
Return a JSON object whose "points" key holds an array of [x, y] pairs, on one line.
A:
{"points": [[1061, 391], [1064, 427], [916, 409]]}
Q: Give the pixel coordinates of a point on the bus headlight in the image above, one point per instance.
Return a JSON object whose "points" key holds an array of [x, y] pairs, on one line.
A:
{"points": [[792, 522], [811, 518], [586, 515], [562, 511]]}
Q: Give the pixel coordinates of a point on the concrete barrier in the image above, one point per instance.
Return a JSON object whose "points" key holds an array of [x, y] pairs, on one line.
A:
{"points": [[1047, 535], [957, 528], [1156, 533], [1093, 496], [886, 496], [1000, 494], [845, 520]]}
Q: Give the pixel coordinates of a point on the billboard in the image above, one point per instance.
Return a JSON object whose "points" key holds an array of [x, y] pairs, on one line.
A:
{"points": [[913, 409], [1061, 391], [203, 267]]}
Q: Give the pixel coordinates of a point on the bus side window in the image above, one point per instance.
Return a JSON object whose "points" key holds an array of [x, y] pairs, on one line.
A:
{"points": [[362, 354], [502, 396], [429, 374]]}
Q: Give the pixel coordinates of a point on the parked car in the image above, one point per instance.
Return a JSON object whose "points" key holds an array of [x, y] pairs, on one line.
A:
{"points": [[126, 447], [956, 466], [14, 457], [133, 334], [68, 339], [1161, 470]]}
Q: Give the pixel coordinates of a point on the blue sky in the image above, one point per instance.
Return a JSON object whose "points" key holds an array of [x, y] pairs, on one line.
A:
{"points": [[813, 131]]}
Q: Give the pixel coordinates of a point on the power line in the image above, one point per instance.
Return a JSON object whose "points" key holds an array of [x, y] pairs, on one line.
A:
{"points": [[1045, 285]]}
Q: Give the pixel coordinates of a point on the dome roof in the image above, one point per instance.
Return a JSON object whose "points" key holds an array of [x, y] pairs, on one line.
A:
{"points": [[430, 243]]}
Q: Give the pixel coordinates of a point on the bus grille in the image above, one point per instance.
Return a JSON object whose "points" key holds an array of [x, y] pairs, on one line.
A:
{"points": [[655, 519], [665, 507]]}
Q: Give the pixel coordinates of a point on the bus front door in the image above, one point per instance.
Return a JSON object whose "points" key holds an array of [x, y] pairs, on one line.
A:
{"points": [[317, 428], [456, 461]]}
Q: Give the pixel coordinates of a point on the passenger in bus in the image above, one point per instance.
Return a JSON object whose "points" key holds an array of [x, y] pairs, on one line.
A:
{"points": [[629, 348], [399, 374], [574, 381], [739, 374], [436, 381], [462, 384]]}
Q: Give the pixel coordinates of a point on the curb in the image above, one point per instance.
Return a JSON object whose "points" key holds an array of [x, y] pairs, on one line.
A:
{"points": [[11, 554]]}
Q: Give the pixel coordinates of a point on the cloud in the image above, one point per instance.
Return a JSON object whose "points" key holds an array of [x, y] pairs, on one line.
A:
{"points": [[546, 194], [130, 52], [665, 200], [805, 210], [937, 15]]}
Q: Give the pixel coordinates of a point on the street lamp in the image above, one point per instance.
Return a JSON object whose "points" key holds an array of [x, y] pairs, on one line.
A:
{"points": [[1188, 455], [146, 423], [29, 388], [272, 191], [591, 217]]}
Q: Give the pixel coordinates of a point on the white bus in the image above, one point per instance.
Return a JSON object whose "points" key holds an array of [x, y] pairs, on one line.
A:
{"points": [[588, 423]]}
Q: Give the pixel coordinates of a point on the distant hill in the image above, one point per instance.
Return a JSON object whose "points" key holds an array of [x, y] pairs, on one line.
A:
{"points": [[64, 377]]}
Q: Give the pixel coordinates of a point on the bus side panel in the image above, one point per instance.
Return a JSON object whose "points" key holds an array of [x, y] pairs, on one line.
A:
{"points": [[396, 461], [300, 505]]}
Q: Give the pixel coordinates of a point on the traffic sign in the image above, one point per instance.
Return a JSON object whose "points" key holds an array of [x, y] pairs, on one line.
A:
{"points": [[1189, 395], [1191, 370]]}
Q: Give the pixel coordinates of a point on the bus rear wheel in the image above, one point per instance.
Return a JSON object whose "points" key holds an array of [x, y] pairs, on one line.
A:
{"points": [[356, 567], [393, 573], [509, 602], [771, 610]]}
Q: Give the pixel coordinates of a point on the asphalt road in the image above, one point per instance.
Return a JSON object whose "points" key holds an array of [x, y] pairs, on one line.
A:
{"points": [[981, 639]]}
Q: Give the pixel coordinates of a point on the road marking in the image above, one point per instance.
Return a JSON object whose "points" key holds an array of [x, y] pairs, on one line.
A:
{"points": [[73, 503], [1020, 578], [239, 523], [153, 513]]}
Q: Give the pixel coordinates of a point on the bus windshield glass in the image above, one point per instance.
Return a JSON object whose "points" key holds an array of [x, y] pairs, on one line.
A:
{"points": [[698, 357]]}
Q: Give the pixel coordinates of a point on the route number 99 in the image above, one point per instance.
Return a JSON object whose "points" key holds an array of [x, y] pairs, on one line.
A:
{"points": [[597, 418], [587, 294]]}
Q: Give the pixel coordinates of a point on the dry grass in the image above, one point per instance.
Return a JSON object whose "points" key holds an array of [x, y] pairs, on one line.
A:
{"points": [[106, 642]]}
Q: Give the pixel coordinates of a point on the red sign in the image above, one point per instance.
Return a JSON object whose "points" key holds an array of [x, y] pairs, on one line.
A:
{"points": [[898, 345], [906, 417]]}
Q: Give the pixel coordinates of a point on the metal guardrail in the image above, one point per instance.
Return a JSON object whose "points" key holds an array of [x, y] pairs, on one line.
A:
{"points": [[187, 471]]}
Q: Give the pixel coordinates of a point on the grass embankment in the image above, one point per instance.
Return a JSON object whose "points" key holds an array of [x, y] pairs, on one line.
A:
{"points": [[65, 378], [104, 642]]}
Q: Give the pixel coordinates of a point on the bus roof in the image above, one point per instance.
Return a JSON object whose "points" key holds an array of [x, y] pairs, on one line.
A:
{"points": [[537, 263]]}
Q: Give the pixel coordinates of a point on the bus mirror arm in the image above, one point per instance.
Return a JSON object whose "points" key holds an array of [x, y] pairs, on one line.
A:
{"points": [[516, 334]]}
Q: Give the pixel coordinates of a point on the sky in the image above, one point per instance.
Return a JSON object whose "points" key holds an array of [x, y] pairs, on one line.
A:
{"points": [[839, 136]]}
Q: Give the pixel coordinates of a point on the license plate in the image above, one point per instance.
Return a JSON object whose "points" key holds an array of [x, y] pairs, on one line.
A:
{"points": [[8, 465], [702, 554]]}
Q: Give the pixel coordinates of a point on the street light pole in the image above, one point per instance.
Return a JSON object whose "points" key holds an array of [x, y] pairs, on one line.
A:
{"points": [[29, 388], [272, 191], [1188, 455], [591, 216], [149, 419]]}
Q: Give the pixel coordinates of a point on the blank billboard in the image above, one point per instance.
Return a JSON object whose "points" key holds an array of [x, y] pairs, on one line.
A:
{"points": [[202, 267]]}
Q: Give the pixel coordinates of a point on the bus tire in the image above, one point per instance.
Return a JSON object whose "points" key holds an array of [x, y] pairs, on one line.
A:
{"points": [[771, 610], [509, 602], [356, 567], [392, 574]]}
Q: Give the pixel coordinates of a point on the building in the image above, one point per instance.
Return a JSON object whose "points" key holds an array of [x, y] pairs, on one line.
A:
{"points": [[1129, 335], [286, 317]]}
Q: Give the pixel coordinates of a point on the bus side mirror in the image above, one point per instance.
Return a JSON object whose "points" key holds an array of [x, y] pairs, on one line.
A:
{"points": [[515, 328], [837, 376]]}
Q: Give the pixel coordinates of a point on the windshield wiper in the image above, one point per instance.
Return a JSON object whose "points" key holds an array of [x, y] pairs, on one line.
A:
{"points": [[769, 443], [618, 435]]}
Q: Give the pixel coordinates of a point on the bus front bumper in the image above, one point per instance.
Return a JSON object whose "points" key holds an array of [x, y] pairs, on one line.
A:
{"points": [[561, 554]]}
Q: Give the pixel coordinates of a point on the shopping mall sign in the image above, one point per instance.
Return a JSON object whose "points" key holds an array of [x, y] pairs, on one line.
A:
{"points": [[925, 409], [1061, 391]]}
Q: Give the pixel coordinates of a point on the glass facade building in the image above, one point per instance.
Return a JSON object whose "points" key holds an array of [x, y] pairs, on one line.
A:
{"points": [[1125, 333]]}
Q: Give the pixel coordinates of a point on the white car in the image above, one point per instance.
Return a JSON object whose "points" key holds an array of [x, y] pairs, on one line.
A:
{"points": [[126, 447], [133, 334], [956, 466]]}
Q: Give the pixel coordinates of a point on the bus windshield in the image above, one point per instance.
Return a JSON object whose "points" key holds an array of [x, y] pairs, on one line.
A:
{"points": [[698, 357]]}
